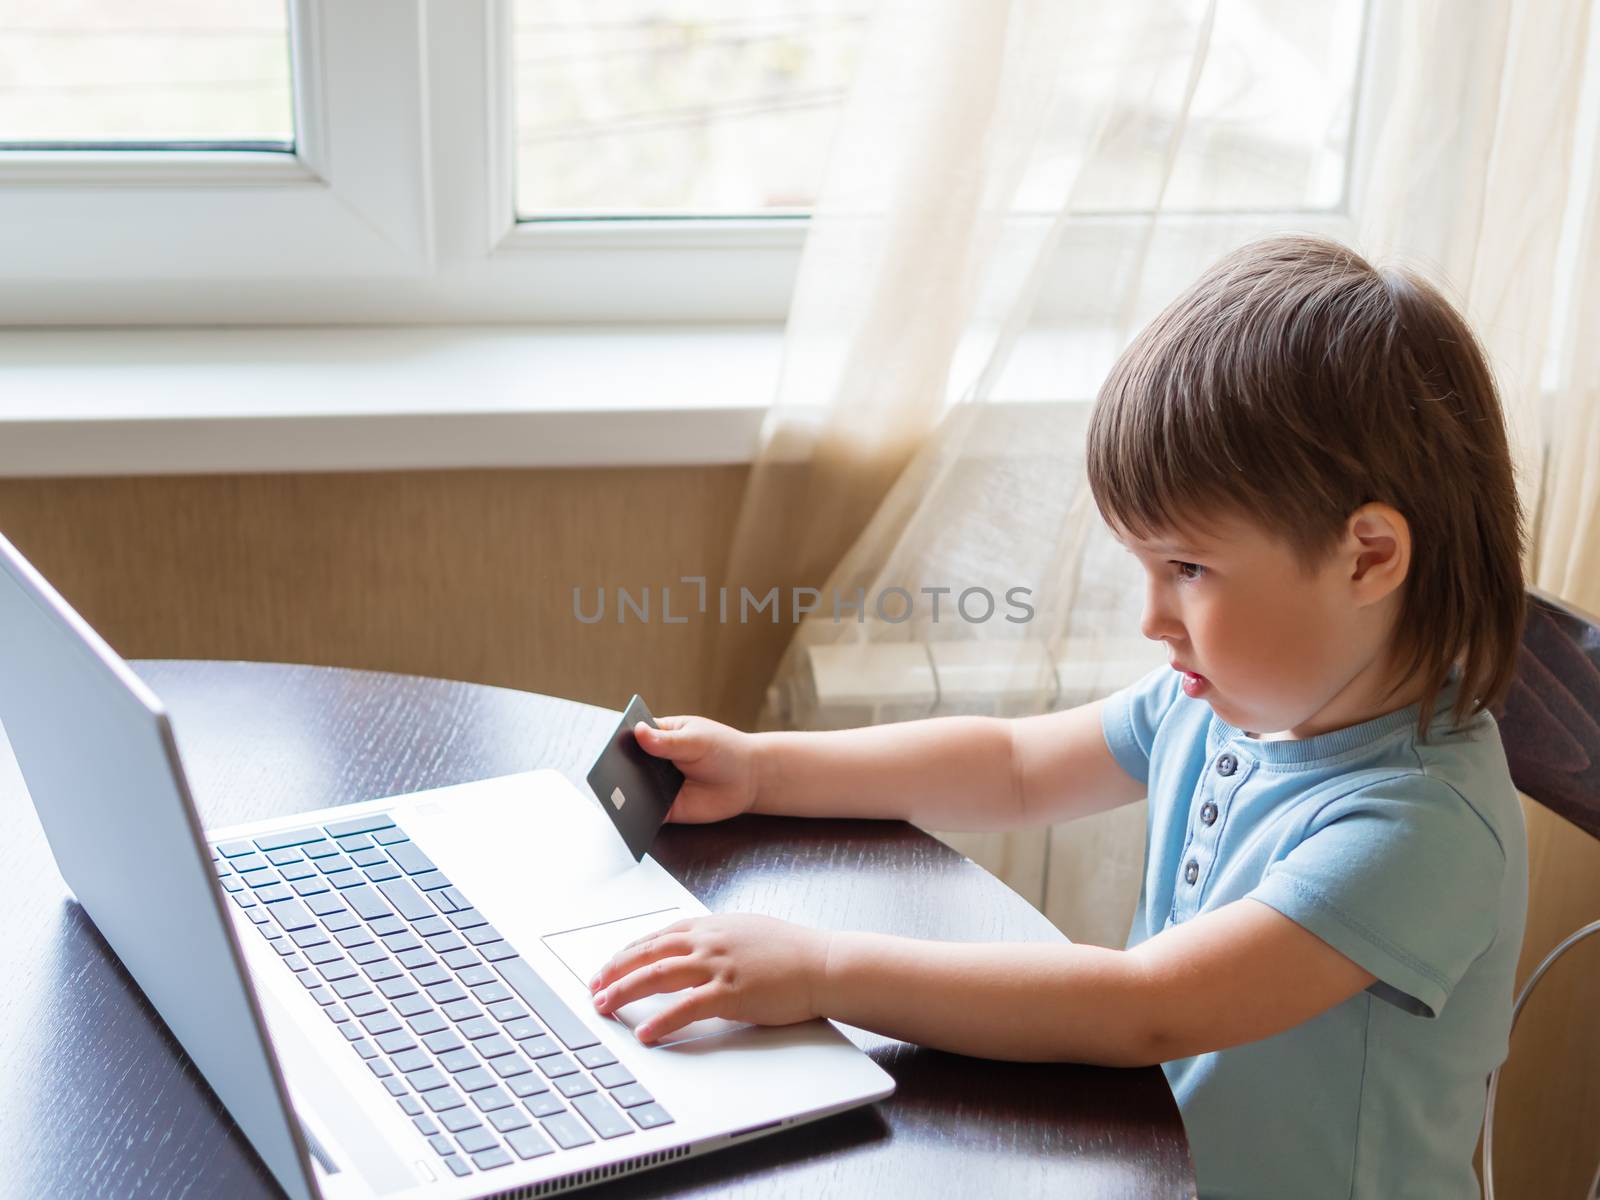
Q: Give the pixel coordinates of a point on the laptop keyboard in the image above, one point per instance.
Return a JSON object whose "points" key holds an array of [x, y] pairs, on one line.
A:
{"points": [[480, 1053]]}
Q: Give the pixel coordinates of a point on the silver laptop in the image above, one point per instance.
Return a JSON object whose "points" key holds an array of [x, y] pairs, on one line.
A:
{"points": [[390, 997]]}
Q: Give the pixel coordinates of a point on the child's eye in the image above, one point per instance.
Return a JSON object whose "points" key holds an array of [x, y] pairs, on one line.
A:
{"points": [[1188, 571]]}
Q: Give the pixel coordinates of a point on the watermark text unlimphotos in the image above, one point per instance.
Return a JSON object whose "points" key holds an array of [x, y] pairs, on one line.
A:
{"points": [[893, 605]]}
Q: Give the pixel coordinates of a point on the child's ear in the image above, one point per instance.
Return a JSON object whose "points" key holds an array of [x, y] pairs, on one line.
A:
{"points": [[1379, 538]]}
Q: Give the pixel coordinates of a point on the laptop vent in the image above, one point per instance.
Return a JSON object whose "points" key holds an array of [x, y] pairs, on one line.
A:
{"points": [[580, 1179]]}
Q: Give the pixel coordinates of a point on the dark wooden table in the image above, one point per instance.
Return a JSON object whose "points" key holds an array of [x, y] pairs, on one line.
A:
{"points": [[97, 1099]]}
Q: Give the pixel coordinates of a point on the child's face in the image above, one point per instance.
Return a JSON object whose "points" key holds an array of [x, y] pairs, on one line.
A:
{"points": [[1267, 645]]}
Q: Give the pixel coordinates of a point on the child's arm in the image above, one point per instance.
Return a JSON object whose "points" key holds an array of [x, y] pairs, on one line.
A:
{"points": [[953, 773], [1238, 974]]}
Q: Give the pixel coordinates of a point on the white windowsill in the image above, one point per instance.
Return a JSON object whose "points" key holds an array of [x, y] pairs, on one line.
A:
{"points": [[190, 401]]}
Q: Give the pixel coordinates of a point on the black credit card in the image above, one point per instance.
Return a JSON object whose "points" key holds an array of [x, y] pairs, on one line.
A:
{"points": [[634, 786]]}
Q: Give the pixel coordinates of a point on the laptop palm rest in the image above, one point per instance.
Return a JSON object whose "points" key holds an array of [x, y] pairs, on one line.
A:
{"points": [[585, 950]]}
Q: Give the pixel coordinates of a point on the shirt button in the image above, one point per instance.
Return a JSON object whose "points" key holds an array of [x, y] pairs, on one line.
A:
{"points": [[1208, 813], [1191, 872], [1227, 765]]}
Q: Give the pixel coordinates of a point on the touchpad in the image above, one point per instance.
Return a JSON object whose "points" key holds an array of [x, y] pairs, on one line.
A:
{"points": [[586, 950]]}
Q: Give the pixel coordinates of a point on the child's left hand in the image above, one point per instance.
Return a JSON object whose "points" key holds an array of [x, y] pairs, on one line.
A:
{"points": [[736, 965]]}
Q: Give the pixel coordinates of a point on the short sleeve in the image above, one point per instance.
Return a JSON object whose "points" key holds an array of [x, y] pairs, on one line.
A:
{"points": [[1130, 717], [1403, 877]]}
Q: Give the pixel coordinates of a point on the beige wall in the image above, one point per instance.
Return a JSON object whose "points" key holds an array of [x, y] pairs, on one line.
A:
{"points": [[469, 575]]}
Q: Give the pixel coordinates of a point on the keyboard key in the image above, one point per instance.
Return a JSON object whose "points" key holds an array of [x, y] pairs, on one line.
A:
{"points": [[457, 1119], [306, 938], [394, 1043], [351, 938], [365, 1006], [462, 1010], [509, 1065], [299, 870], [442, 942], [468, 918], [367, 824], [387, 925], [566, 1131], [337, 970], [271, 893], [459, 1059], [443, 993], [411, 860], [340, 921], [382, 872], [476, 1027], [631, 1094], [489, 994], [442, 1041], [458, 1165], [294, 837], [365, 1048], [326, 904], [413, 1060], [446, 905], [648, 1116], [455, 897], [416, 1006], [544, 1104], [412, 1107], [379, 1068], [251, 862], [292, 915], [509, 1012], [476, 1139], [347, 988], [355, 841], [497, 952], [602, 1116], [424, 1022], [367, 902], [310, 887], [461, 959], [351, 1031], [474, 975], [430, 881], [404, 940], [429, 926], [488, 1160], [383, 1022], [329, 863], [431, 974], [320, 849], [242, 896], [556, 1066], [442, 1144], [507, 1119], [445, 1098], [416, 957], [494, 1046], [406, 899], [482, 935], [537, 995], [474, 1079], [528, 1144], [397, 987], [370, 857], [574, 1085], [614, 1075], [492, 1099], [528, 1085], [236, 849], [538, 1047], [336, 1013], [370, 953], [385, 968], [395, 1086], [386, 837], [322, 995], [344, 880]]}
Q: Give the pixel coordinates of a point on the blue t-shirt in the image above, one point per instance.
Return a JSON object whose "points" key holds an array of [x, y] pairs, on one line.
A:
{"points": [[1409, 858]]}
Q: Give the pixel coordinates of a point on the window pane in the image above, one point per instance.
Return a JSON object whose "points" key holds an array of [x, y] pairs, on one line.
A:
{"points": [[103, 72], [679, 107]]}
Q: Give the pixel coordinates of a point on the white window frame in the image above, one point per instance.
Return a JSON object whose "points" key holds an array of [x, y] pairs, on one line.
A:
{"points": [[375, 219]]}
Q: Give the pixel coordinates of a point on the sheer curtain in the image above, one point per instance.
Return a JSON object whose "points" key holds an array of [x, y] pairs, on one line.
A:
{"points": [[1015, 188]]}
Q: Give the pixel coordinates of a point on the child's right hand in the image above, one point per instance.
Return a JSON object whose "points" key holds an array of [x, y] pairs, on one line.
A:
{"points": [[718, 764]]}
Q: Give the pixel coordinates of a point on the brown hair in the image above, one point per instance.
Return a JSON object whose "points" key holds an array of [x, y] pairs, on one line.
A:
{"points": [[1292, 383]]}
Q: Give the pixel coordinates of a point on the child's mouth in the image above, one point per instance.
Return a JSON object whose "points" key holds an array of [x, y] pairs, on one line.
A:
{"points": [[1194, 686]]}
